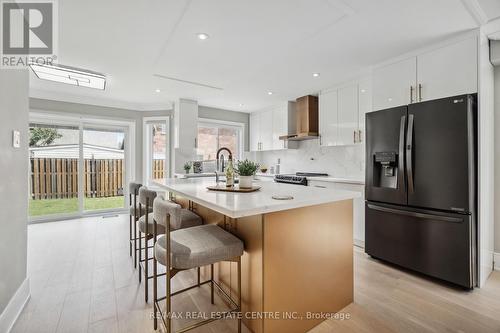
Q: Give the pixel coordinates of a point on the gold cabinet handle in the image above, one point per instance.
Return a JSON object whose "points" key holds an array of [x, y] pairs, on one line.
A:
{"points": [[411, 94], [354, 134], [420, 92], [359, 136]]}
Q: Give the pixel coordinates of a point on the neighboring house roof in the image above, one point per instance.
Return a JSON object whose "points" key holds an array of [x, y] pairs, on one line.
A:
{"points": [[73, 151]]}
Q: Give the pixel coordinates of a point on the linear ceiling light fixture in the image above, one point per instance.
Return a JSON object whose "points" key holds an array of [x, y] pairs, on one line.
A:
{"points": [[69, 75]]}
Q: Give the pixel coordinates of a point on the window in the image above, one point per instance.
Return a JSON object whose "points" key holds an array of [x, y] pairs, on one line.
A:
{"points": [[156, 148], [214, 135]]}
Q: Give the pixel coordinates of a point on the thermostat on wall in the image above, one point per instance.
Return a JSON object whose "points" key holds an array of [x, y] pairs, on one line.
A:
{"points": [[16, 139]]}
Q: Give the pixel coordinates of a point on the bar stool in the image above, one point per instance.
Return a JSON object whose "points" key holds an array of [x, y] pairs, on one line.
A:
{"points": [[181, 218], [190, 248], [146, 198], [134, 211]]}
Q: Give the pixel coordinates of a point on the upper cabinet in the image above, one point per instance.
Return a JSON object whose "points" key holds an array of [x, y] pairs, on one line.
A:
{"points": [[348, 115], [254, 131], [268, 125], [395, 84], [443, 72], [341, 113], [448, 71], [328, 118]]}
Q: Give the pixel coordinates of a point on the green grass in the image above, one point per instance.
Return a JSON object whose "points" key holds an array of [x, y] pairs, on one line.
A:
{"points": [[68, 206]]}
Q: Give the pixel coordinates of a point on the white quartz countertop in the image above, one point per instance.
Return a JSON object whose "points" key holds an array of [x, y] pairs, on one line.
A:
{"points": [[237, 205]]}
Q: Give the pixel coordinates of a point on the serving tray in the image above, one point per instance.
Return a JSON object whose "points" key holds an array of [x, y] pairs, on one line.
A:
{"points": [[236, 188]]}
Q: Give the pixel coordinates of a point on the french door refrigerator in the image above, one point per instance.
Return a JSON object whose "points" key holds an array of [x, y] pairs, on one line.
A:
{"points": [[421, 187]]}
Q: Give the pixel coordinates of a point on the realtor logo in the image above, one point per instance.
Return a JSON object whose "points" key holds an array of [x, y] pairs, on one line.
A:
{"points": [[28, 32]]}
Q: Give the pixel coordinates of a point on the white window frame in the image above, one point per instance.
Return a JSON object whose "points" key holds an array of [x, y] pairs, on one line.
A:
{"points": [[80, 121], [215, 123], [147, 145]]}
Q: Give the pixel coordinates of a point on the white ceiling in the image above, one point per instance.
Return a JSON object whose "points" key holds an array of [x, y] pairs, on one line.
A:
{"points": [[255, 46]]}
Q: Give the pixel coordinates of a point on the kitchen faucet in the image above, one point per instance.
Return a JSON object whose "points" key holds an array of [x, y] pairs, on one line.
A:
{"points": [[220, 162]]}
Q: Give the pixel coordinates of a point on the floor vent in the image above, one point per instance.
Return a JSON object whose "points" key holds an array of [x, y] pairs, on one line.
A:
{"points": [[109, 216]]}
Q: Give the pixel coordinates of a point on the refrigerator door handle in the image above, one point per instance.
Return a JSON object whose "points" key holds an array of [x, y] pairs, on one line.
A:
{"points": [[409, 153], [415, 214], [401, 162]]}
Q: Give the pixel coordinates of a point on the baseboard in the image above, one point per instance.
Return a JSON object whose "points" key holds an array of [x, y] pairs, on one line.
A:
{"points": [[16, 304], [359, 243], [496, 259]]}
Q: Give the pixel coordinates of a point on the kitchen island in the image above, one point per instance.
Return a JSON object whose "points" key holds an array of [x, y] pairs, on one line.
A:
{"points": [[297, 269]]}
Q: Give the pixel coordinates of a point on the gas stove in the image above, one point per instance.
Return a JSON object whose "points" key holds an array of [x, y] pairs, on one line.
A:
{"points": [[299, 178]]}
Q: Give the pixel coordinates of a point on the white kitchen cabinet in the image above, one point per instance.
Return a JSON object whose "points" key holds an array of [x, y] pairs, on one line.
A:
{"points": [[328, 118], [365, 105], [348, 115], [443, 72], [266, 130], [395, 84], [358, 206], [342, 113], [280, 126], [448, 71], [255, 131], [268, 125]]}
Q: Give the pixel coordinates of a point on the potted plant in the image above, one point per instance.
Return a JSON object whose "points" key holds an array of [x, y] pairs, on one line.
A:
{"points": [[187, 167], [246, 170]]}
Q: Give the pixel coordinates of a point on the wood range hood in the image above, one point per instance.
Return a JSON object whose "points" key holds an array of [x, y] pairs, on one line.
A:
{"points": [[306, 118]]}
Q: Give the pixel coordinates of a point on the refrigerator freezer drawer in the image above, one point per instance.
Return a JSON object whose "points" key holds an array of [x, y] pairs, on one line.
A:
{"points": [[434, 243]]}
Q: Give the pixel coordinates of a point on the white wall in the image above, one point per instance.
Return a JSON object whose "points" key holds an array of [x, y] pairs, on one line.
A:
{"points": [[497, 159], [344, 161], [13, 183]]}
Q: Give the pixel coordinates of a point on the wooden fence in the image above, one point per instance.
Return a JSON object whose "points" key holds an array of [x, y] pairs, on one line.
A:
{"points": [[57, 178]]}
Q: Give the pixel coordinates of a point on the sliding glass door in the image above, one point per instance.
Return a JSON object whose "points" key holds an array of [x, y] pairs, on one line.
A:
{"points": [[54, 169], [76, 168], [104, 168]]}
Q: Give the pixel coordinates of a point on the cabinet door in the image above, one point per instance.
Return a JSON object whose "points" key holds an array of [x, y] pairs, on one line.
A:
{"points": [[365, 105], [280, 126], [392, 84], [328, 118], [348, 115], [358, 206], [266, 130], [448, 71], [254, 131]]}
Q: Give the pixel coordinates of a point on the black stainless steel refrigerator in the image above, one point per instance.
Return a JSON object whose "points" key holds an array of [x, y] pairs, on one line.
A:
{"points": [[421, 187]]}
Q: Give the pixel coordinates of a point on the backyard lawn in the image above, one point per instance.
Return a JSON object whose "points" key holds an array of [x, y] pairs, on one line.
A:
{"points": [[65, 206]]}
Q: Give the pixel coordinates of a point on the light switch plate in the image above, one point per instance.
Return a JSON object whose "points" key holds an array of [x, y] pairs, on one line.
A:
{"points": [[16, 139]]}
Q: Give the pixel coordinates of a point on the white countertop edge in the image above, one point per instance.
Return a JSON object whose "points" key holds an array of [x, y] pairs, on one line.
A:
{"points": [[286, 205]]}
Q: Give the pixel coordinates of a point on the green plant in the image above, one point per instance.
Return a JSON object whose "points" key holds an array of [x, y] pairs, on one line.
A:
{"points": [[187, 166], [246, 168], [41, 136]]}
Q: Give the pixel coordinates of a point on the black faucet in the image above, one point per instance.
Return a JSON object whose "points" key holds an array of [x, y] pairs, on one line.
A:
{"points": [[222, 157], [222, 164]]}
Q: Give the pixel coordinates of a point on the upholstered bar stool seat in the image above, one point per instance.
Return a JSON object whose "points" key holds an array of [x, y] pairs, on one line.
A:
{"points": [[187, 219], [198, 246]]}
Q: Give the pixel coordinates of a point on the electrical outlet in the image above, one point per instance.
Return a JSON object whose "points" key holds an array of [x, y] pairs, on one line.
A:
{"points": [[16, 139]]}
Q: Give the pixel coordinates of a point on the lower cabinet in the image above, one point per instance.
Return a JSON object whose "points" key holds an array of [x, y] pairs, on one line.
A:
{"points": [[358, 206]]}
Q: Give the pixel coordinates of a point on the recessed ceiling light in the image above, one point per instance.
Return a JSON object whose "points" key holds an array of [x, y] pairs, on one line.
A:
{"points": [[389, 99], [69, 75], [269, 92], [363, 90], [202, 36], [158, 90], [316, 74], [241, 104]]}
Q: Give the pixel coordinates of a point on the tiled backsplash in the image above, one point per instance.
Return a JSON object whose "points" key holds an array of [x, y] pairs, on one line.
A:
{"points": [[342, 161]]}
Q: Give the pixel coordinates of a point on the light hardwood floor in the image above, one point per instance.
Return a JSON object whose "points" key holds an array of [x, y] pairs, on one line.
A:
{"points": [[83, 280]]}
